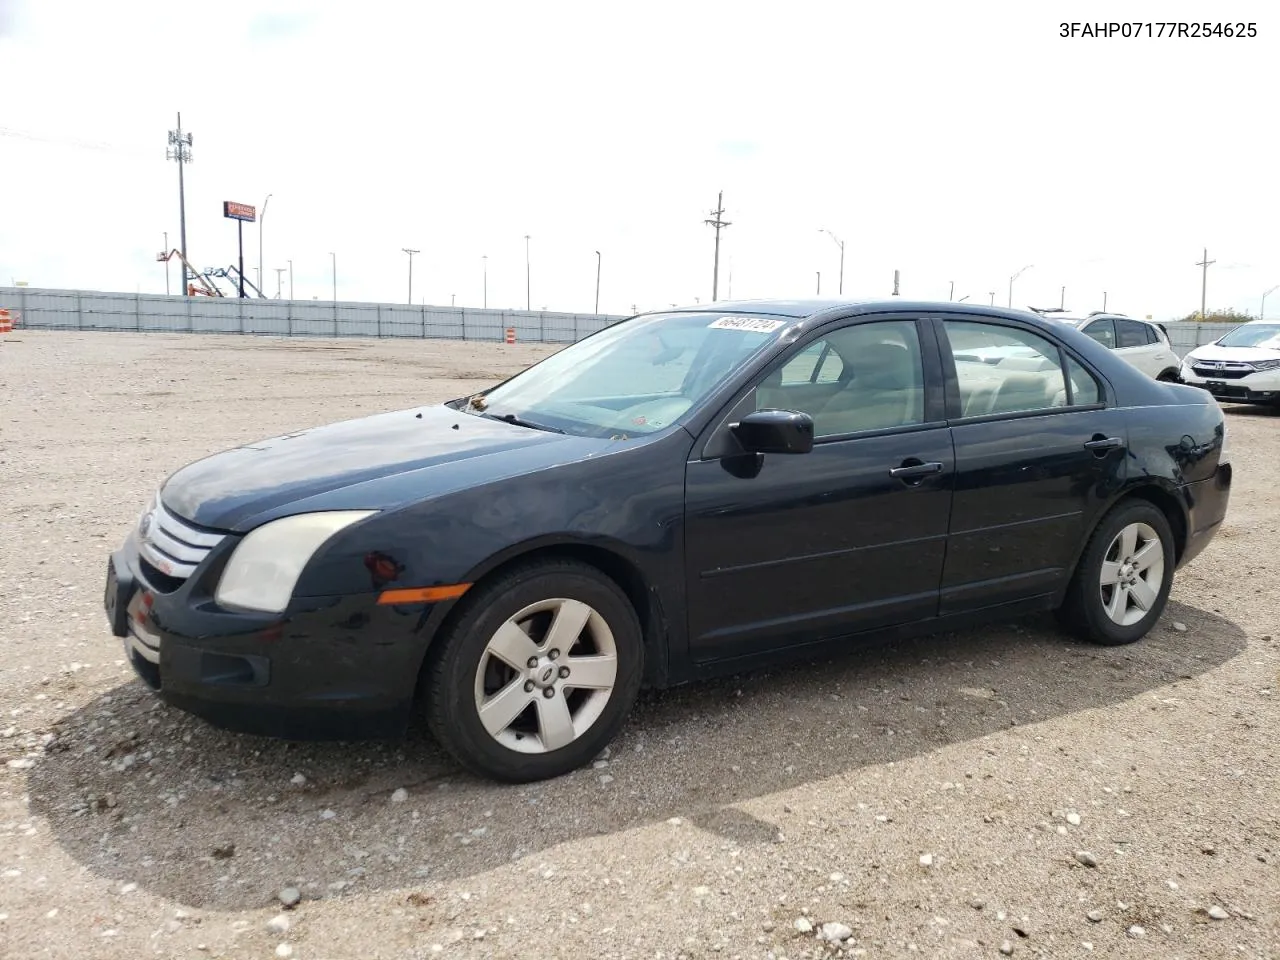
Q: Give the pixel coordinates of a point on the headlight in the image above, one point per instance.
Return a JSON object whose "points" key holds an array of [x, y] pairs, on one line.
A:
{"points": [[1266, 364], [265, 566]]}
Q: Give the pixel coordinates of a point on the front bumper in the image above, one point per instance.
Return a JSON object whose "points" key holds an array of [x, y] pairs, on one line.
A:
{"points": [[328, 668], [1261, 387]]}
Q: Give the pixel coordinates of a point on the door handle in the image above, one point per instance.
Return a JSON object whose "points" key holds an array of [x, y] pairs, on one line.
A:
{"points": [[1104, 443], [915, 470]]}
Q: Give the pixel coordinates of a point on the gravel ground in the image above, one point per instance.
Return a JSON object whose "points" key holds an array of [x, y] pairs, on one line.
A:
{"points": [[1003, 790]]}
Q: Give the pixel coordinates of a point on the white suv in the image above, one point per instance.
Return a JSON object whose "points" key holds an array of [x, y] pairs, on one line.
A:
{"points": [[1143, 344], [1243, 366]]}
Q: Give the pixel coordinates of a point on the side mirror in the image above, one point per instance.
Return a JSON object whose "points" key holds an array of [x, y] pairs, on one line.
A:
{"points": [[775, 431]]}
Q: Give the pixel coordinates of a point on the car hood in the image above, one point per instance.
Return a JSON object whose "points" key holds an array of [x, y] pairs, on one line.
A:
{"points": [[227, 490], [1212, 352]]}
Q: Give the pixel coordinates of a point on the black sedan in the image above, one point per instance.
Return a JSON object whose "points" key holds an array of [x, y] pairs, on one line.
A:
{"points": [[683, 494]]}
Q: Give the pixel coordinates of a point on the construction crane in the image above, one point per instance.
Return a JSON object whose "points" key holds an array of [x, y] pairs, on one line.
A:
{"points": [[232, 274], [206, 289]]}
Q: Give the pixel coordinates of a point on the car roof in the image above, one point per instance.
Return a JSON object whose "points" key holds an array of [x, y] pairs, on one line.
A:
{"points": [[813, 307], [1077, 316]]}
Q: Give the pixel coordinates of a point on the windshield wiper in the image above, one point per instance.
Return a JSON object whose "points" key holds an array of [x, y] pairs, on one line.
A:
{"points": [[519, 422]]}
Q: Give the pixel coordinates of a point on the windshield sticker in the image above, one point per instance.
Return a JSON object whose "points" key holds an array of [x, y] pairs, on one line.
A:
{"points": [[750, 324]]}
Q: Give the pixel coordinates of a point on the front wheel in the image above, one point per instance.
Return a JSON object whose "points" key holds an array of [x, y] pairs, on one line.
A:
{"points": [[1169, 376], [1122, 582], [537, 674]]}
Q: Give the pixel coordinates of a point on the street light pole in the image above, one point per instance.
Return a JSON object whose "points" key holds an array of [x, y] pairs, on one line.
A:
{"points": [[598, 258], [993, 298], [952, 294], [1015, 277], [819, 272], [410, 253], [279, 273], [840, 244], [262, 218], [1262, 310], [528, 301]]}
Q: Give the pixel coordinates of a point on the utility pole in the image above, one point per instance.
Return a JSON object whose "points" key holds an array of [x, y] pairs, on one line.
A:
{"points": [[290, 279], [1204, 280], [528, 301], [181, 152], [719, 224], [819, 282], [1015, 277], [952, 294], [598, 260], [840, 244], [895, 283], [279, 273], [1062, 299], [410, 253], [262, 219], [1104, 301]]}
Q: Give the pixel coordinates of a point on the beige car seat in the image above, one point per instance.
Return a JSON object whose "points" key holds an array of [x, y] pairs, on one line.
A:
{"points": [[885, 392]]}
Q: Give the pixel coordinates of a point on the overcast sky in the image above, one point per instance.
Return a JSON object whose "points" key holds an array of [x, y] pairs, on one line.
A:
{"points": [[953, 142]]}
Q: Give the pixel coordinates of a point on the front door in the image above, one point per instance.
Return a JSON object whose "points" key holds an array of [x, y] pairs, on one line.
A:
{"points": [[783, 550], [1038, 453]]}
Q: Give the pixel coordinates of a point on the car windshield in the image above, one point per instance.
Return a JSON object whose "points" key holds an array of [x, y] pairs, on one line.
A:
{"points": [[636, 377], [1253, 335]]}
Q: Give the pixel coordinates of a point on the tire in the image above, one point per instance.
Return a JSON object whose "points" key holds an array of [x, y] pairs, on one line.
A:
{"points": [[1169, 376], [1090, 608], [515, 617]]}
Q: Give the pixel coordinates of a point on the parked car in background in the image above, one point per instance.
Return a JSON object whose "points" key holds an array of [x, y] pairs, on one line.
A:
{"points": [[683, 494], [1142, 343], [1241, 367]]}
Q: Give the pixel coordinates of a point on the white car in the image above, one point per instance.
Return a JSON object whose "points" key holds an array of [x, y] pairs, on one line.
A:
{"points": [[1243, 366], [1142, 343]]}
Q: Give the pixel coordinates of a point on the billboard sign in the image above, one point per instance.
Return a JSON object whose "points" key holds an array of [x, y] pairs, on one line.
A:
{"points": [[238, 211]]}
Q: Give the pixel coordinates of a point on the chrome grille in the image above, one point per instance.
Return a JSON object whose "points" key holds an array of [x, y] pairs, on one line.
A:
{"points": [[1228, 370], [171, 545]]}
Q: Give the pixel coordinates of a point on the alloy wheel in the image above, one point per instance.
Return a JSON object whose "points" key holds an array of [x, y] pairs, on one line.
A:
{"points": [[546, 676], [1132, 573]]}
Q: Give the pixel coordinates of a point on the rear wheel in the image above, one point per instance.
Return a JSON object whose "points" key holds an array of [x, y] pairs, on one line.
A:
{"points": [[1168, 376], [537, 673], [1122, 582]]}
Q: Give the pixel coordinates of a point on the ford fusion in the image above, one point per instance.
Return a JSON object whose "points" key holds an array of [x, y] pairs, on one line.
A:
{"points": [[683, 494]]}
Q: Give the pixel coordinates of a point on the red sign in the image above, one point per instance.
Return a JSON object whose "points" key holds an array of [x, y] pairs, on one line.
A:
{"points": [[238, 211]]}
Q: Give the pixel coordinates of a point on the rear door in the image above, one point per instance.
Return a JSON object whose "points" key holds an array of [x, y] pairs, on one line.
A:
{"points": [[1139, 344], [1038, 447]]}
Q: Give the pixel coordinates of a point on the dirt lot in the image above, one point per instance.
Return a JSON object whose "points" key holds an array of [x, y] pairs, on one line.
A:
{"points": [[931, 795]]}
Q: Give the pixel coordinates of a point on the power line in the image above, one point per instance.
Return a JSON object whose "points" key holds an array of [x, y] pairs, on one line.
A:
{"points": [[719, 224]]}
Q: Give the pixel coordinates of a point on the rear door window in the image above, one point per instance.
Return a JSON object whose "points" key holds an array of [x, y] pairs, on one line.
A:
{"points": [[1130, 333]]}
